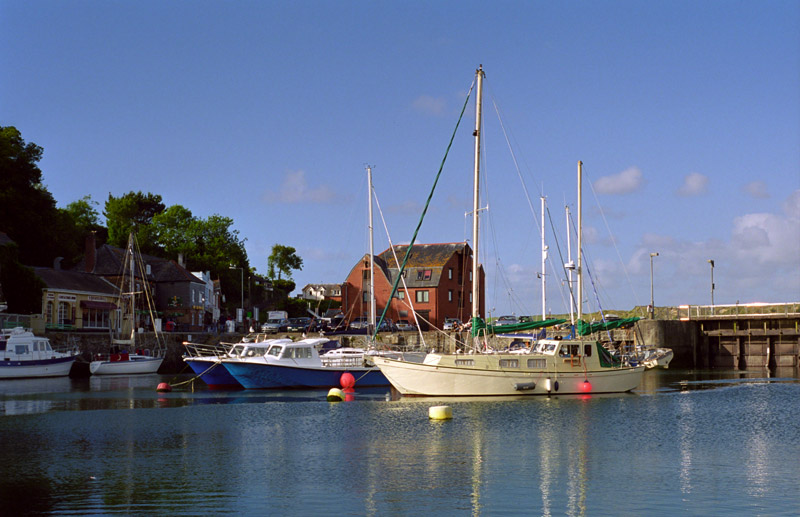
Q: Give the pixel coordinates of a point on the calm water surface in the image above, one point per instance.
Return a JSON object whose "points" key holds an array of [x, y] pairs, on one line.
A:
{"points": [[685, 443]]}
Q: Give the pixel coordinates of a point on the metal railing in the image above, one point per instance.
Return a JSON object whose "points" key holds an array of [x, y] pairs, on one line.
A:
{"points": [[688, 312], [10, 321]]}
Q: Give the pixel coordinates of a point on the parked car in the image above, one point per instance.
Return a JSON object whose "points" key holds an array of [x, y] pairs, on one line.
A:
{"points": [[505, 320], [451, 324], [387, 326], [298, 324], [274, 326], [405, 326], [358, 323]]}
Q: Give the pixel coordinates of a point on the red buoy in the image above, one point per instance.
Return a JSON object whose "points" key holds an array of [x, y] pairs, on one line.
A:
{"points": [[347, 380], [586, 387], [164, 387]]}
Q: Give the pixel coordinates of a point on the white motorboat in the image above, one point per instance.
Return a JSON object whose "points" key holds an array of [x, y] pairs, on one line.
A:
{"points": [[298, 365], [124, 358], [656, 357], [572, 366], [23, 354], [206, 360]]}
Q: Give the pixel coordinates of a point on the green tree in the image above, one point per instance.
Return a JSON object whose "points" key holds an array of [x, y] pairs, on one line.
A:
{"points": [[283, 259], [28, 213], [133, 212], [177, 231], [22, 289], [83, 214]]}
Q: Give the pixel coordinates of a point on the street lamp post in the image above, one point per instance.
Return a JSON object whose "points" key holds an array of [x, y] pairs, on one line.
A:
{"points": [[241, 270], [652, 300], [710, 261]]}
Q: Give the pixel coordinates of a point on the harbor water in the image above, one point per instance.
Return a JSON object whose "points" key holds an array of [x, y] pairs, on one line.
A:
{"points": [[684, 443]]}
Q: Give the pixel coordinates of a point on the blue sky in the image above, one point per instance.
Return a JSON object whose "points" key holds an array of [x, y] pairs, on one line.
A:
{"points": [[685, 114]]}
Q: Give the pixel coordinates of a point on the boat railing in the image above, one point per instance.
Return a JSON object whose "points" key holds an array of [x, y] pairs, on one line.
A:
{"points": [[689, 312], [343, 361], [204, 350]]}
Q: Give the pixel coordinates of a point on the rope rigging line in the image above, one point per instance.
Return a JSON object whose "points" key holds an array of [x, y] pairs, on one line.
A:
{"points": [[394, 254], [616, 248], [424, 211]]}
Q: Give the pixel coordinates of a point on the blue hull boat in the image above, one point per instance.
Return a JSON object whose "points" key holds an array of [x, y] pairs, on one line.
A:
{"points": [[212, 373], [287, 364], [262, 376]]}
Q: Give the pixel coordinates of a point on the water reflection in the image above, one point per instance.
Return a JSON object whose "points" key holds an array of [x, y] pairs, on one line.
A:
{"points": [[685, 444]]}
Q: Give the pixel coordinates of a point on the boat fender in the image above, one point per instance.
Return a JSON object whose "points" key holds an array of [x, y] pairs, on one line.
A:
{"points": [[523, 386], [335, 395], [440, 413], [555, 385], [586, 387], [164, 387], [548, 385]]}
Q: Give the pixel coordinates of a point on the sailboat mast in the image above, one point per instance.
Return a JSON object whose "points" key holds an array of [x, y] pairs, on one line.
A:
{"points": [[580, 239], [371, 256], [570, 266], [476, 194], [130, 288], [544, 260]]}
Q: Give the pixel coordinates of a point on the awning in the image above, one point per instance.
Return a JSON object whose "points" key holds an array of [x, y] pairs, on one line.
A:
{"points": [[88, 304]]}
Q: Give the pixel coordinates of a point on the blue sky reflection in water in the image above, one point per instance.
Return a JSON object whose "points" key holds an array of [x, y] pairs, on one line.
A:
{"points": [[685, 114], [716, 443]]}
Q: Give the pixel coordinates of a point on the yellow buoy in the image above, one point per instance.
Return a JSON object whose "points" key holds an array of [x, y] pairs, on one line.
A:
{"points": [[335, 395], [440, 413]]}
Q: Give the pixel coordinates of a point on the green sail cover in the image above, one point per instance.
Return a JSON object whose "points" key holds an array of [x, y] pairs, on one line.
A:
{"points": [[584, 329], [478, 324]]}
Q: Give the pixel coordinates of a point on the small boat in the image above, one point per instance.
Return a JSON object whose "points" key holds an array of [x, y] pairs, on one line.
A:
{"points": [[23, 354], [124, 358], [298, 364], [206, 360], [656, 357]]}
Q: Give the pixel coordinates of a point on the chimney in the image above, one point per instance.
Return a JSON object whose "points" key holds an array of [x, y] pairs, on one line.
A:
{"points": [[180, 260], [90, 253], [57, 262]]}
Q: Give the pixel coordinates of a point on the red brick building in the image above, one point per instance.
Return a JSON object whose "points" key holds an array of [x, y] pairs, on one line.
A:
{"points": [[438, 278]]}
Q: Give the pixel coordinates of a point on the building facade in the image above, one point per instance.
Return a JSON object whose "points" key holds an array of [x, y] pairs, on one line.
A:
{"points": [[437, 285], [319, 292], [74, 300]]}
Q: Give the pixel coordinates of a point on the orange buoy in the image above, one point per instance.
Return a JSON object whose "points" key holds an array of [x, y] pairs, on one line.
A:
{"points": [[164, 387]]}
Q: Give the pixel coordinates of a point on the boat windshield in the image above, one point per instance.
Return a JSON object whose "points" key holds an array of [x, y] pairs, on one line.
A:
{"points": [[546, 347], [275, 350]]}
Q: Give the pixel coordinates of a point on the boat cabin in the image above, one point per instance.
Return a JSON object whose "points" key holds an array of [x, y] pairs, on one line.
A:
{"points": [[19, 343], [257, 349]]}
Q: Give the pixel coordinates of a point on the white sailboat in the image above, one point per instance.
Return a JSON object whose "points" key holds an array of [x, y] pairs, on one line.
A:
{"points": [[550, 366], [124, 358]]}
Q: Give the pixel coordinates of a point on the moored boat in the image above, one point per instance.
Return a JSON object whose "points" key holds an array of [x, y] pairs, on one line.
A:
{"points": [[550, 367], [206, 360], [23, 354], [569, 366], [657, 357], [124, 358], [299, 365]]}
